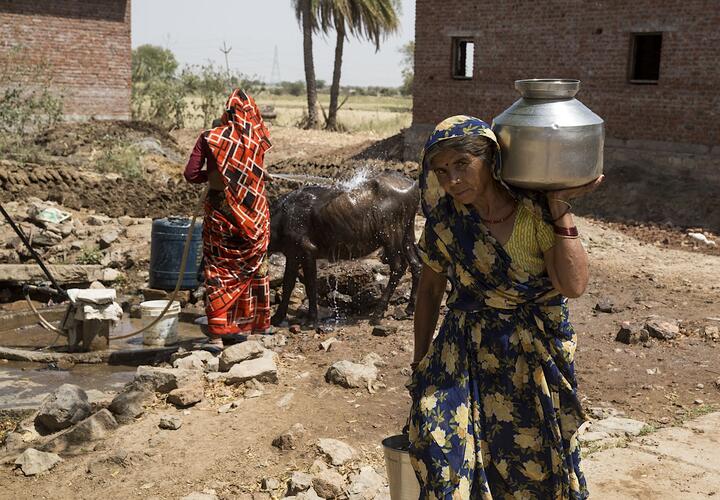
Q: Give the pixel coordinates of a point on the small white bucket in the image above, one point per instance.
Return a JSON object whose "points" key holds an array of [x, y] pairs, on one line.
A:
{"points": [[401, 475], [164, 332]]}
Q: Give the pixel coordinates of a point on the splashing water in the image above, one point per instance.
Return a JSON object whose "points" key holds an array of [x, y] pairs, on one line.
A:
{"points": [[333, 300], [356, 180]]}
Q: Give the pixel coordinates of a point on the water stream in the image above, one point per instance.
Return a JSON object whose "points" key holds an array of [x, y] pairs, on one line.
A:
{"points": [[353, 182], [305, 179]]}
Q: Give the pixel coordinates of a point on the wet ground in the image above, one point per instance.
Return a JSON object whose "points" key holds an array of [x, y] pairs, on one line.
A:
{"points": [[25, 385]]}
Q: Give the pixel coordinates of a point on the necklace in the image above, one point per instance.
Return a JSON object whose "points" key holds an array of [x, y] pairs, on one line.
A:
{"points": [[502, 219]]}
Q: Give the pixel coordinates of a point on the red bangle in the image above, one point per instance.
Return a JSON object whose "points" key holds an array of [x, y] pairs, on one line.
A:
{"points": [[570, 232]]}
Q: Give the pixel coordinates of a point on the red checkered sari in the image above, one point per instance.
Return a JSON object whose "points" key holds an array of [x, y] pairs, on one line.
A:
{"points": [[236, 227]]}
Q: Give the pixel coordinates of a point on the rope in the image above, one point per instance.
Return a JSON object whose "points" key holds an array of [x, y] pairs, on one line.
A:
{"points": [[183, 264], [43, 322]]}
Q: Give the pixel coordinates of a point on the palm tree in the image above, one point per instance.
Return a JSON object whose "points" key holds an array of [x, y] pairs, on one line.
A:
{"points": [[305, 13], [369, 19]]}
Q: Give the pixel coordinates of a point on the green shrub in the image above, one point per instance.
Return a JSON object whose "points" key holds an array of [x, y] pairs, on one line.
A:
{"points": [[160, 101], [170, 100], [89, 256], [211, 85], [121, 159]]}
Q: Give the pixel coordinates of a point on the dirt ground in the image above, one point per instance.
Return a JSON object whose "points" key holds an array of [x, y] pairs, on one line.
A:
{"points": [[644, 266]]}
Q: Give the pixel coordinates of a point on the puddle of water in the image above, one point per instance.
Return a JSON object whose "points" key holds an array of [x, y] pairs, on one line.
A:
{"points": [[25, 385], [36, 337], [186, 331]]}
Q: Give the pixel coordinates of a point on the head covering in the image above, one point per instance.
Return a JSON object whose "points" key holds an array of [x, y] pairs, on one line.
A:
{"points": [[434, 197], [239, 146], [436, 203]]}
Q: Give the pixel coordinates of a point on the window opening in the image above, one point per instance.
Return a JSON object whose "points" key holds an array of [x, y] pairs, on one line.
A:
{"points": [[645, 57], [463, 58]]}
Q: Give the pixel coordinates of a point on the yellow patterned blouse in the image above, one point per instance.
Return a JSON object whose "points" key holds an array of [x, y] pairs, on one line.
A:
{"points": [[531, 237]]}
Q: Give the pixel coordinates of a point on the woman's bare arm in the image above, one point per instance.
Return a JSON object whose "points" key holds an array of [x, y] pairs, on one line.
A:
{"points": [[567, 260], [427, 309], [567, 263]]}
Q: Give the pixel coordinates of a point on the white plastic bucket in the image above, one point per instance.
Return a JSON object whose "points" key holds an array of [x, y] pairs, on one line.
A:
{"points": [[164, 332], [401, 475]]}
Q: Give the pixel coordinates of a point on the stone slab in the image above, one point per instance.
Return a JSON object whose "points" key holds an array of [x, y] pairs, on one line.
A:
{"points": [[696, 443], [675, 462], [628, 473], [63, 273]]}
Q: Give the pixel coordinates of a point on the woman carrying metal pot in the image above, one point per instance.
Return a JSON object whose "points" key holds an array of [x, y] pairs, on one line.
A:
{"points": [[495, 409]]}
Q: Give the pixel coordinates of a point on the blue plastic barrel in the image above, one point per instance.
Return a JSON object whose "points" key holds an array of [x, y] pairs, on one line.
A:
{"points": [[166, 248]]}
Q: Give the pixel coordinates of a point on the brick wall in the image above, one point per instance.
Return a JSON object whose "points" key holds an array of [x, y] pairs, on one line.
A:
{"points": [[86, 44], [587, 40]]}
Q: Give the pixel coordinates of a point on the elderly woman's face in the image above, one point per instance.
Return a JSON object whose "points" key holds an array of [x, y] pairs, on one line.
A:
{"points": [[462, 175]]}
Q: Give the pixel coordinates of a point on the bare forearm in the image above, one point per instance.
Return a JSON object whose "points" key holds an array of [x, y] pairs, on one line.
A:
{"points": [[427, 310], [571, 265], [569, 258]]}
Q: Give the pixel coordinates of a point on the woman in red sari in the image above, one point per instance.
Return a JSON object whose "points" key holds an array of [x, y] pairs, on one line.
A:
{"points": [[236, 227]]}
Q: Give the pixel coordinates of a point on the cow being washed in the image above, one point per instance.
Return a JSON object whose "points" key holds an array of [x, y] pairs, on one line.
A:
{"points": [[319, 222]]}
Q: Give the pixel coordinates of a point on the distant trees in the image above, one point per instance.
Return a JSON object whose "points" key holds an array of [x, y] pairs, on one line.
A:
{"points": [[368, 19], [292, 88], [408, 67], [151, 61], [165, 96], [169, 95]]}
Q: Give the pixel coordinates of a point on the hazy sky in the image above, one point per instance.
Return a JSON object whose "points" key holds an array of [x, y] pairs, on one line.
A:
{"points": [[195, 32]]}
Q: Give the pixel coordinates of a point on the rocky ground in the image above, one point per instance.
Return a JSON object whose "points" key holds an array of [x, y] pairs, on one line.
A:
{"points": [[648, 348]]}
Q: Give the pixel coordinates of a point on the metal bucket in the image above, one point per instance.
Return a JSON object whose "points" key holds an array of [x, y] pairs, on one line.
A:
{"points": [[401, 475]]}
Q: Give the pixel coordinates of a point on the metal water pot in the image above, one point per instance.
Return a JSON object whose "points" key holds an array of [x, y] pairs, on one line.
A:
{"points": [[548, 139]]}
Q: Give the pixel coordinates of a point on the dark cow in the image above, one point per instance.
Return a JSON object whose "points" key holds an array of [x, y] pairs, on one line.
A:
{"points": [[319, 222]]}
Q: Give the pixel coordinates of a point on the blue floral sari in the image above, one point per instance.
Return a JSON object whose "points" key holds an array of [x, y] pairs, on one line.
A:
{"points": [[495, 408]]}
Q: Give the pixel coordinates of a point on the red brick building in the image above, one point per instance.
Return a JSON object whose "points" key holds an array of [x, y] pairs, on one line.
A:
{"points": [[86, 45], [649, 68]]}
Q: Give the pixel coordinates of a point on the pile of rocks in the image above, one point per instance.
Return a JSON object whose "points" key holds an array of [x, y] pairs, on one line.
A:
{"points": [[336, 472], [656, 328], [67, 423], [62, 236]]}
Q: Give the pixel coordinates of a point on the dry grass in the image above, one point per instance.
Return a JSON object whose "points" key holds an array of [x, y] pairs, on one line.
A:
{"points": [[380, 115]]}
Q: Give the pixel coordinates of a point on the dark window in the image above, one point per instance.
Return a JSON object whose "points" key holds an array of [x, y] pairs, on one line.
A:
{"points": [[645, 57], [463, 58]]}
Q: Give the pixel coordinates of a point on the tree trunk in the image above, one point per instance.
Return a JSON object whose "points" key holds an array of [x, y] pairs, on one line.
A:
{"points": [[331, 123], [311, 84]]}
